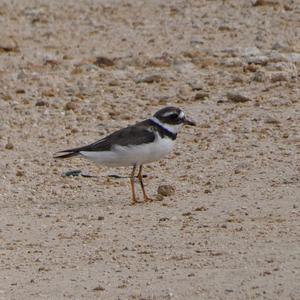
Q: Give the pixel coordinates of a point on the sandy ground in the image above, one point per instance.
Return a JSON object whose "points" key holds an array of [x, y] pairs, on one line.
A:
{"points": [[73, 71]]}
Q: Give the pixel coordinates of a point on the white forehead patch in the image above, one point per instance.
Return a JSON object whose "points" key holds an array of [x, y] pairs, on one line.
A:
{"points": [[169, 113]]}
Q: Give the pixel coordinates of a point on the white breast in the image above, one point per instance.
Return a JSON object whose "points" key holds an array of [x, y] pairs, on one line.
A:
{"points": [[132, 154]]}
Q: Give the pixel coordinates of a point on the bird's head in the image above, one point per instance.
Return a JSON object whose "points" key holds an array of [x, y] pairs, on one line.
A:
{"points": [[172, 119]]}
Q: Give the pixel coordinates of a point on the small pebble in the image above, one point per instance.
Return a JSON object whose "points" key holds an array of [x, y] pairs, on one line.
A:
{"points": [[71, 106], [99, 288], [259, 76], [186, 214], [159, 62], [166, 190], [9, 146], [163, 219], [114, 82], [237, 78], [271, 120], [258, 60], [102, 62], [6, 97], [20, 173], [232, 62], [201, 96], [236, 97], [8, 44], [285, 135], [207, 191], [41, 103], [201, 208], [250, 68], [196, 85], [72, 173], [20, 91], [279, 76], [150, 78]]}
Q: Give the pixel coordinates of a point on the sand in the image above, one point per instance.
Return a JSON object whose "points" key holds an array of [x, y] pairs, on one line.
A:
{"points": [[73, 71]]}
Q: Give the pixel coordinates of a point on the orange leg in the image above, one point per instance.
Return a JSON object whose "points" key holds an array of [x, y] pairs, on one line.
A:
{"points": [[140, 177], [134, 200]]}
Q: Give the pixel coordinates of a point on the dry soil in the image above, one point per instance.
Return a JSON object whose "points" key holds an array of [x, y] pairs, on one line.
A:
{"points": [[73, 71]]}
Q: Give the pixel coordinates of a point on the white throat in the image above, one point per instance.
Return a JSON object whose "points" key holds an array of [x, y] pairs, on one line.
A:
{"points": [[173, 128]]}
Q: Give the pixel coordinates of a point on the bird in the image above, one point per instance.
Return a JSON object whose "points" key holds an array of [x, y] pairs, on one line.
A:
{"points": [[142, 143]]}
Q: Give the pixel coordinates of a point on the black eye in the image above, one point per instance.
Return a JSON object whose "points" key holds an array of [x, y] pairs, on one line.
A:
{"points": [[173, 116]]}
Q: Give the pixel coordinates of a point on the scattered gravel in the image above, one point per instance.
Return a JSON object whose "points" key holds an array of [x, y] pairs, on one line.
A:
{"points": [[72, 72]]}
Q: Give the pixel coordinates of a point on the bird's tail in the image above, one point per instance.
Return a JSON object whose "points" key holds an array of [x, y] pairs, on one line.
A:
{"points": [[66, 153]]}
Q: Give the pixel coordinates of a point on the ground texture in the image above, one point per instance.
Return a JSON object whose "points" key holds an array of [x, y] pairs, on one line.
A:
{"points": [[73, 71]]}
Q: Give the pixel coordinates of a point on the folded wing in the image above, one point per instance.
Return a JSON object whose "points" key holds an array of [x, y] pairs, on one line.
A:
{"points": [[131, 135]]}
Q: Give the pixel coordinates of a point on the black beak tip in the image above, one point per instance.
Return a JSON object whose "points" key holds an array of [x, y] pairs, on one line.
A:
{"points": [[189, 122]]}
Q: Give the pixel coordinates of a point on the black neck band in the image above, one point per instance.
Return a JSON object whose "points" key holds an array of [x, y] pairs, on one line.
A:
{"points": [[163, 131]]}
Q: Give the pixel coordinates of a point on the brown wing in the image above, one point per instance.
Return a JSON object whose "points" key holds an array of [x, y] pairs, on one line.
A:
{"points": [[131, 135]]}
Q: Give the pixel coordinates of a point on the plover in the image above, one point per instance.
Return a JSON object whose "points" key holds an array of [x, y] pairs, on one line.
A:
{"points": [[135, 145]]}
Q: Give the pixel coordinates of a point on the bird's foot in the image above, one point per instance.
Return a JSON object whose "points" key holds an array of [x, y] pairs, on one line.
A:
{"points": [[148, 199], [135, 201]]}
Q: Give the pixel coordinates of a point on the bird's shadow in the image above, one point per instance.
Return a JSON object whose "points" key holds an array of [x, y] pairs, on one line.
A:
{"points": [[75, 173]]}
